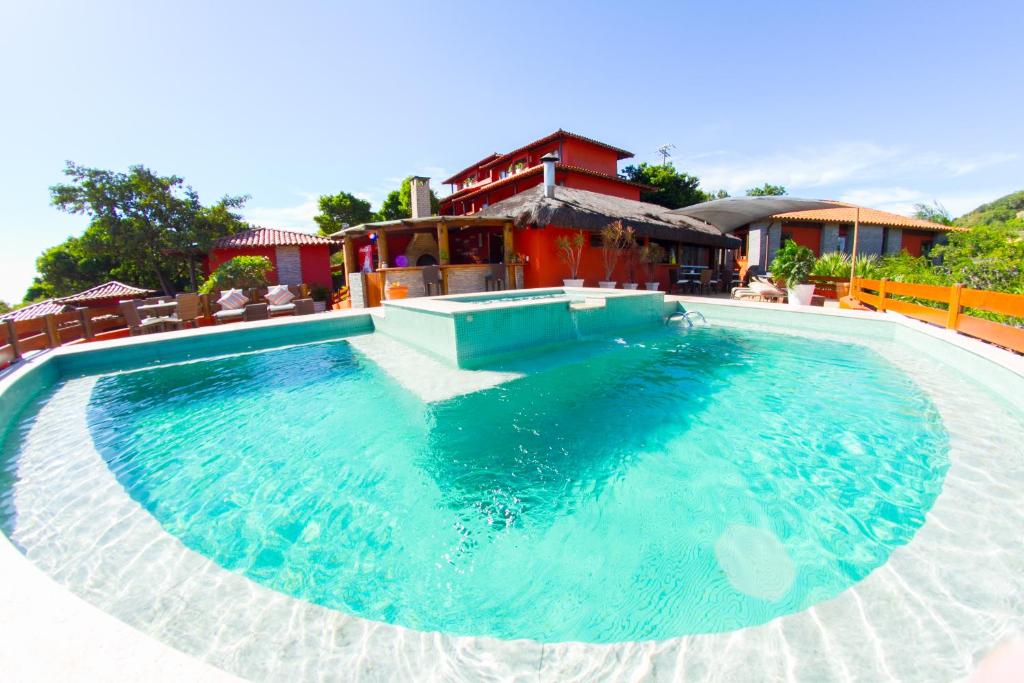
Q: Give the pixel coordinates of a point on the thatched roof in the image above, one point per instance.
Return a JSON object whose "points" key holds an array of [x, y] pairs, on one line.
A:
{"points": [[585, 210]]}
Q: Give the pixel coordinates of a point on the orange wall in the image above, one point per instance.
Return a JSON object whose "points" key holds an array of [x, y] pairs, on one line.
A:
{"points": [[600, 185], [592, 157], [544, 269], [912, 241], [805, 235]]}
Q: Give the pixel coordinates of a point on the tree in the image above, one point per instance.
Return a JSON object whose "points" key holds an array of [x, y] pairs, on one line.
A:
{"points": [[143, 224], [241, 272], [675, 189], [934, 212], [398, 203], [5, 307], [338, 209], [767, 190]]}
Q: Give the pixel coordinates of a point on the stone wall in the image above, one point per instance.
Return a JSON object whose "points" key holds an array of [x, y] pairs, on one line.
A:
{"points": [[829, 238], [413, 279], [357, 289], [289, 266], [774, 242], [466, 280], [893, 240], [869, 240]]}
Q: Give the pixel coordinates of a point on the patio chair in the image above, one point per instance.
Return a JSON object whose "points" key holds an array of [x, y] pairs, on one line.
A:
{"points": [[255, 312], [432, 280], [683, 281], [136, 324], [494, 280], [188, 310], [707, 282]]}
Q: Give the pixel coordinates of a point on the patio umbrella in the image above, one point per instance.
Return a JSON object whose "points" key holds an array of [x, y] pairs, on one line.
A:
{"points": [[732, 212]]}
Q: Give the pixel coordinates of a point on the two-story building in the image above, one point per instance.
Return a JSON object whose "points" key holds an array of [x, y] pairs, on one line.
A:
{"points": [[583, 164]]}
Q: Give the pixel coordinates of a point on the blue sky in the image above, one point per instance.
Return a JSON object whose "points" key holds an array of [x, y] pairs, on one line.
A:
{"points": [[882, 103]]}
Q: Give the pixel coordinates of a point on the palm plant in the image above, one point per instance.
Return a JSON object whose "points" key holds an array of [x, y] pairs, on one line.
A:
{"points": [[614, 238], [792, 265], [570, 251]]}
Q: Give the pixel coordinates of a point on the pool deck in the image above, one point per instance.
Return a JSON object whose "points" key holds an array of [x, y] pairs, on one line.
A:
{"points": [[52, 634]]}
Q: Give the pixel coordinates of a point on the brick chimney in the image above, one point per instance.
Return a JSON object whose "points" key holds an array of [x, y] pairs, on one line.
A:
{"points": [[420, 190]]}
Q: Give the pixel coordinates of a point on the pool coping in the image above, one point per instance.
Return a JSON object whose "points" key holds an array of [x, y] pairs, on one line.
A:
{"points": [[83, 640]]}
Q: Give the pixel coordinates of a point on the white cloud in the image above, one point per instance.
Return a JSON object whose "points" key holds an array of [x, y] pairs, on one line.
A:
{"points": [[297, 217], [842, 163]]}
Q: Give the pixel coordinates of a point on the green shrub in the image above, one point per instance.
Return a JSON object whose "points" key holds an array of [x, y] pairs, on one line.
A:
{"points": [[792, 265], [833, 264], [241, 272]]}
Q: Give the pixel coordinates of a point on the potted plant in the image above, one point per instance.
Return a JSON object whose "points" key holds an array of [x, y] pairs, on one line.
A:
{"points": [[396, 290], [631, 252], [570, 252], [613, 238], [791, 268], [651, 254]]}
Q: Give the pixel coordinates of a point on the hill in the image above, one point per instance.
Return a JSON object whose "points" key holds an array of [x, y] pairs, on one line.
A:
{"points": [[1001, 210]]}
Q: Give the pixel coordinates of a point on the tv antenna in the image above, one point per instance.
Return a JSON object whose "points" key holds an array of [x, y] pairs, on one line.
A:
{"points": [[666, 152]]}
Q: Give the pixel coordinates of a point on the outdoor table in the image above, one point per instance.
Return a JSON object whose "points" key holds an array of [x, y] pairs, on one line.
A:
{"points": [[156, 309]]}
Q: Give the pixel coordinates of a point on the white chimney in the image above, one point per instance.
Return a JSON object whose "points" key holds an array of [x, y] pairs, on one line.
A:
{"points": [[549, 160], [420, 191]]}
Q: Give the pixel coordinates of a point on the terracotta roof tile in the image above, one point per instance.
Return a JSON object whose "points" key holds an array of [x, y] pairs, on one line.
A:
{"points": [[108, 290], [846, 213], [270, 237], [36, 310]]}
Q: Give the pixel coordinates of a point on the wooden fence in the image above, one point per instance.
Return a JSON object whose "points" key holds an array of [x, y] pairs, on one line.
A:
{"points": [[18, 337], [949, 308]]}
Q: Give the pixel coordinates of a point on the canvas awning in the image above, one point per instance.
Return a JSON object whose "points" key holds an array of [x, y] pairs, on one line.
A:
{"points": [[733, 212]]}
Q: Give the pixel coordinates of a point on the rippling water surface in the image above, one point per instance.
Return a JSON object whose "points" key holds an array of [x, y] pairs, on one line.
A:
{"points": [[648, 487]]}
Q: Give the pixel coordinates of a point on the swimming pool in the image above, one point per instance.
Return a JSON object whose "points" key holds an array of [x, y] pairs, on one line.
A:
{"points": [[604, 505]]}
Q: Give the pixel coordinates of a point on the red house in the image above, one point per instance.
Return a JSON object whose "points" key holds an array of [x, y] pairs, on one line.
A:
{"points": [[583, 164], [297, 257]]}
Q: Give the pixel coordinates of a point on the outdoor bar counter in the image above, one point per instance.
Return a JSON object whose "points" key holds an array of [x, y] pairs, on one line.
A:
{"points": [[456, 279]]}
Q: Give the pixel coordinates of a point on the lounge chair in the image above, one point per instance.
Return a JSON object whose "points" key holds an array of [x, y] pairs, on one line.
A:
{"points": [[759, 289], [223, 314]]}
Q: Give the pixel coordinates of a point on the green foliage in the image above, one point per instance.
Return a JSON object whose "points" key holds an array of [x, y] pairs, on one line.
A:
{"points": [[398, 203], [142, 228], [832, 264], [570, 251], [319, 293], [241, 272], [5, 307], [767, 190], [338, 209], [650, 255], [675, 189], [988, 256], [792, 264], [1004, 210], [934, 212]]}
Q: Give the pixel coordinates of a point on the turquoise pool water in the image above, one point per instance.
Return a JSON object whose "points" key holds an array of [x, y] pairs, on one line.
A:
{"points": [[648, 487]]}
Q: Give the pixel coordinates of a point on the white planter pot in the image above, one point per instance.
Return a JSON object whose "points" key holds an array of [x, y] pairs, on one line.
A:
{"points": [[800, 295], [652, 286], [572, 283], [629, 285], [603, 284], [319, 306]]}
